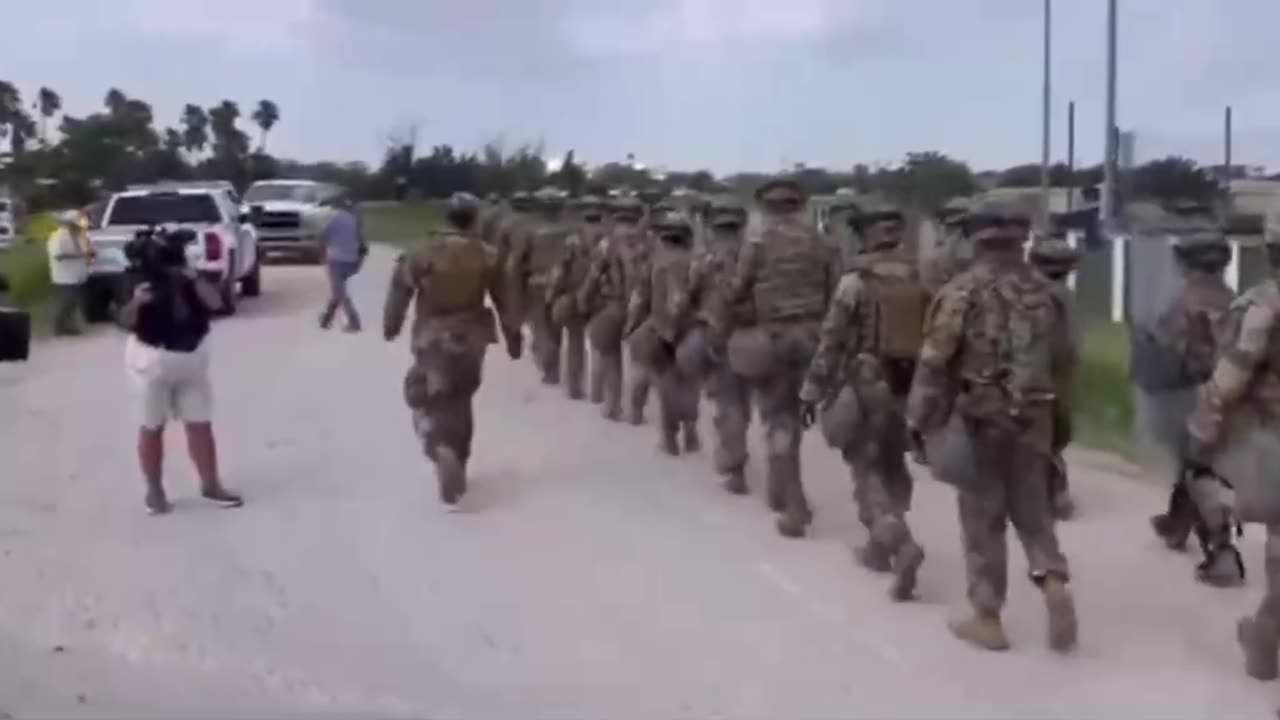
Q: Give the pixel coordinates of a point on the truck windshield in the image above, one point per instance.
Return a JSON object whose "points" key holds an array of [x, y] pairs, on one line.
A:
{"points": [[273, 192], [161, 208]]}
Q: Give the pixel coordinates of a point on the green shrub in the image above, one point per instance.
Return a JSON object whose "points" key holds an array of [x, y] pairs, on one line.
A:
{"points": [[26, 263], [1104, 399]]}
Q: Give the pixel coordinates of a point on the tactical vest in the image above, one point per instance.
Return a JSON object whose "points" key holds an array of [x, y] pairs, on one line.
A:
{"points": [[792, 273], [546, 243], [459, 268], [632, 248], [579, 265], [669, 269], [720, 262], [898, 305], [1007, 361]]}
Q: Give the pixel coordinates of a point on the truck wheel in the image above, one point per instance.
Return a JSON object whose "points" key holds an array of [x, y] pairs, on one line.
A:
{"points": [[229, 290], [251, 286]]}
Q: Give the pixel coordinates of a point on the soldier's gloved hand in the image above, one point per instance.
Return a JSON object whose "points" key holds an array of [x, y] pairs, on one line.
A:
{"points": [[515, 346], [808, 413], [915, 442]]}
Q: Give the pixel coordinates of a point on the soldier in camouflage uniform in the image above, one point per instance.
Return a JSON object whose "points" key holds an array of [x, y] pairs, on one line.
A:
{"points": [[1056, 259], [619, 263], [535, 249], [953, 251], [656, 323], [839, 230], [788, 273], [866, 356], [447, 279], [567, 276], [1237, 413], [730, 393], [1186, 334], [983, 395]]}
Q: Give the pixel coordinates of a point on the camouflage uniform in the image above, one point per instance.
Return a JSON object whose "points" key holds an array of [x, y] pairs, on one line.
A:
{"points": [[788, 273], [953, 252], [983, 394], [1056, 259], [619, 263], [536, 248], [866, 353], [566, 278], [447, 280], [656, 324], [839, 233], [1238, 407], [1187, 332], [730, 392]]}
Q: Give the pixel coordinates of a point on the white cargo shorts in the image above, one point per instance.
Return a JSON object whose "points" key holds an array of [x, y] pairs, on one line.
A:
{"points": [[170, 385]]}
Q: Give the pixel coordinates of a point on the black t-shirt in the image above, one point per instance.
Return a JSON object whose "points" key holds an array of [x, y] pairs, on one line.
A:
{"points": [[175, 319]]}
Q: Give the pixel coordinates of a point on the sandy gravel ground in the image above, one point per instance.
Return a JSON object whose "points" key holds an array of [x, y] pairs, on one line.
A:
{"points": [[588, 577]]}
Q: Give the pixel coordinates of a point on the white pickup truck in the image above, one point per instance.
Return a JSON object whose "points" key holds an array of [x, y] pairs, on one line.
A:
{"points": [[285, 213], [225, 251]]}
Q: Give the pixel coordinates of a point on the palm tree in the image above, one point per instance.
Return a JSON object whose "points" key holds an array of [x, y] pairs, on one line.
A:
{"points": [[195, 128], [115, 101], [266, 116], [48, 104]]}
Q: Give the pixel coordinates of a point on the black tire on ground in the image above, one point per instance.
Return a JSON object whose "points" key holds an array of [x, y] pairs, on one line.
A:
{"points": [[228, 290], [251, 286]]}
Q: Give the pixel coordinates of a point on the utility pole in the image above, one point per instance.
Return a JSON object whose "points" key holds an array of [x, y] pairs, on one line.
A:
{"points": [[1044, 119], [1071, 155], [1109, 171]]}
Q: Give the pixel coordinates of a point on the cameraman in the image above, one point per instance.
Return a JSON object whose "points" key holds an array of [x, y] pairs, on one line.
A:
{"points": [[168, 361]]}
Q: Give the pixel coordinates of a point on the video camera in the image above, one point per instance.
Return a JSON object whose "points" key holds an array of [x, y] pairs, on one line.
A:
{"points": [[156, 250]]}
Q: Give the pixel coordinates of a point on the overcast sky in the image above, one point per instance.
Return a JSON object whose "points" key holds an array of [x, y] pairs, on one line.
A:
{"points": [[724, 84]]}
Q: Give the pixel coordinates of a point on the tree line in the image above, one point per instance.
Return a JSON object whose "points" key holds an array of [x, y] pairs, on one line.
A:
{"points": [[122, 143]]}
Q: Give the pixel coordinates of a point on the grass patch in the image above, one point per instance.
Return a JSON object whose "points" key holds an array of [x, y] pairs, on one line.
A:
{"points": [[1104, 398], [401, 224]]}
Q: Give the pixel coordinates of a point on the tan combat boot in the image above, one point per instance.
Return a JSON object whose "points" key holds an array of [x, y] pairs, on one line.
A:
{"points": [[1062, 614], [906, 565], [692, 443], [796, 517], [983, 629], [1258, 640], [873, 557], [451, 475], [735, 481]]}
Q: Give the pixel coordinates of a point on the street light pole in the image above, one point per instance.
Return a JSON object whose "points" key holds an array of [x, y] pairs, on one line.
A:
{"points": [[1044, 120], [1109, 173]]}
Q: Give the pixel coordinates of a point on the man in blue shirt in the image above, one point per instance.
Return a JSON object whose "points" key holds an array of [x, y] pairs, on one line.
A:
{"points": [[344, 249]]}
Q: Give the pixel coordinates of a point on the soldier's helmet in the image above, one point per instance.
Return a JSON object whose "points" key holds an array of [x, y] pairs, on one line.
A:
{"points": [[493, 198], [995, 221], [726, 211], [782, 192], [462, 209], [953, 213], [549, 197], [844, 200], [627, 208], [1203, 247], [672, 225], [521, 200], [590, 206], [1054, 257], [875, 215]]}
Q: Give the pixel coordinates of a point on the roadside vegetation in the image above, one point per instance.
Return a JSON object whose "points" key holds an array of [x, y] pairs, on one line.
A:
{"points": [[1104, 400], [400, 224]]}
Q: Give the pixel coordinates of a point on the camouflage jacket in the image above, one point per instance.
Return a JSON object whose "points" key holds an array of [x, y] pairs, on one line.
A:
{"points": [[658, 299], [537, 244], [710, 271], [447, 280], [1189, 326], [573, 266], [849, 327], [968, 332], [618, 265], [1248, 370], [785, 270]]}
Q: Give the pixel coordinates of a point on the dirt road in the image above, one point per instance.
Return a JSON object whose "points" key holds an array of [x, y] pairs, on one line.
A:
{"points": [[588, 577]]}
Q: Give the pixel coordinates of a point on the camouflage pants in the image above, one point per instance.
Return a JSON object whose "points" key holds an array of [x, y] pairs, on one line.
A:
{"points": [[882, 484], [730, 395], [779, 398], [641, 378], [575, 358], [677, 400], [1011, 484], [444, 417], [546, 342]]}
